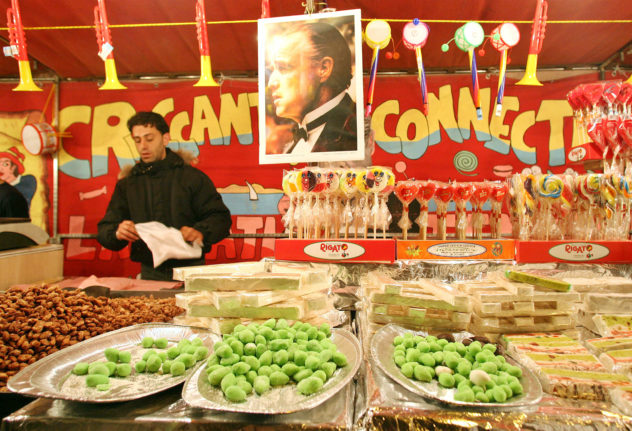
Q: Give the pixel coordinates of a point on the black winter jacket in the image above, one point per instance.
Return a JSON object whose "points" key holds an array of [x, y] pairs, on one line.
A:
{"points": [[168, 191]]}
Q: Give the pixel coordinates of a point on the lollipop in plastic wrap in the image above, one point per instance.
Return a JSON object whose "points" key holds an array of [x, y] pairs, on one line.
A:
{"points": [[426, 192], [349, 190], [549, 192], [406, 191], [443, 196], [478, 199], [497, 197], [462, 194]]}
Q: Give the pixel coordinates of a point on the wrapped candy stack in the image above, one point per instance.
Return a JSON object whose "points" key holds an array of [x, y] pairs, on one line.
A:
{"points": [[603, 112]]}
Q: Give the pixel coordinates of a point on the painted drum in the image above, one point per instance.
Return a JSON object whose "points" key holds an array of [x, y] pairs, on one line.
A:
{"points": [[415, 35], [377, 34], [39, 138], [505, 36], [469, 35]]}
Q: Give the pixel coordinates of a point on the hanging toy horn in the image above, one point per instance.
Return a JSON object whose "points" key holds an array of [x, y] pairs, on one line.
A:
{"points": [[206, 74], [17, 49], [104, 42], [537, 36]]}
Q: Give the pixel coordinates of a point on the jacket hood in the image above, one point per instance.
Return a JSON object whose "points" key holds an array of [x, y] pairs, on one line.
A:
{"points": [[172, 159]]}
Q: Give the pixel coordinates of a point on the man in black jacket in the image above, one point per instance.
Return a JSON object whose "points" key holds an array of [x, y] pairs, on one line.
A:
{"points": [[12, 203], [162, 187]]}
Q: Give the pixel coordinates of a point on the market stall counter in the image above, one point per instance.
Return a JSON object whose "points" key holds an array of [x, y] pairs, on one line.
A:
{"points": [[167, 410]]}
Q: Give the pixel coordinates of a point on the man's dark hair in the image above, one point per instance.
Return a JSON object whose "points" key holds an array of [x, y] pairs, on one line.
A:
{"points": [[328, 42], [144, 118]]}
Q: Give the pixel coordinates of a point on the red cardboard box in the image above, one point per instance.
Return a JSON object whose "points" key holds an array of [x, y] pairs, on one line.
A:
{"points": [[333, 250], [486, 249], [574, 251]]}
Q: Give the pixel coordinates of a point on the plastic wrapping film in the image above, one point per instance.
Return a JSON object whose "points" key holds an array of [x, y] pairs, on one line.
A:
{"points": [[382, 404]]}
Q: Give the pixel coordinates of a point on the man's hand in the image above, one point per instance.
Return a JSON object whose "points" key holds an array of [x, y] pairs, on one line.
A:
{"points": [[191, 235], [126, 231]]}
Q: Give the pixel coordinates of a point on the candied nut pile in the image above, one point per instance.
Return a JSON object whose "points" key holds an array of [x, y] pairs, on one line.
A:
{"points": [[44, 319]]}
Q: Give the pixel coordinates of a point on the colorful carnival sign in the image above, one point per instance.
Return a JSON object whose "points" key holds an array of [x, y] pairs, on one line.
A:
{"points": [[219, 126]]}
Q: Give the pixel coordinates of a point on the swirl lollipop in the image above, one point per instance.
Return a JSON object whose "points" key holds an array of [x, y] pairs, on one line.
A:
{"points": [[497, 194], [443, 195], [589, 189], [349, 189], [415, 36], [478, 199], [505, 36], [467, 37], [300, 202], [462, 194], [426, 192], [377, 34], [550, 189], [406, 192]]}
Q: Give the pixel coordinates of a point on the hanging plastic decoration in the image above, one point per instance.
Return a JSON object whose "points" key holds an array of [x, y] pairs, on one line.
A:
{"points": [[377, 34], [206, 74], [537, 36], [415, 36], [265, 9], [467, 37], [17, 48], [503, 37], [104, 41]]}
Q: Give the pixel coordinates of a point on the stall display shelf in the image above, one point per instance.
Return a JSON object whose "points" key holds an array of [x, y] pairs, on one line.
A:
{"points": [[574, 251], [487, 249], [336, 250]]}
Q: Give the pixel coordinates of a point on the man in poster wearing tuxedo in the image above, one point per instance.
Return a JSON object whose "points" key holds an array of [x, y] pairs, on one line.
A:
{"points": [[308, 84]]}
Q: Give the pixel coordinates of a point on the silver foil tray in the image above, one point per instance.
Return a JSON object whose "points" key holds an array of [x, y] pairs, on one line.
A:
{"points": [[382, 354], [198, 392], [51, 377]]}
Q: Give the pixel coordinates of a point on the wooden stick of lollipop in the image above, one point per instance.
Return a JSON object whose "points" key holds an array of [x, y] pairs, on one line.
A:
{"points": [[462, 194], [426, 192], [406, 191]]}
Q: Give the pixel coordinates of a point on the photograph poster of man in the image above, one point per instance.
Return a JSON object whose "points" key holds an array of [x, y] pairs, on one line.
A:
{"points": [[310, 88]]}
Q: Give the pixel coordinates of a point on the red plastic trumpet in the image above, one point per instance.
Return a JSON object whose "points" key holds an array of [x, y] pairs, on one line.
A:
{"points": [[104, 42], [537, 36], [206, 74], [18, 48]]}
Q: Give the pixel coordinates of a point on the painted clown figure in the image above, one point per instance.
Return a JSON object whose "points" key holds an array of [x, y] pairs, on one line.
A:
{"points": [[12, 170]]}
